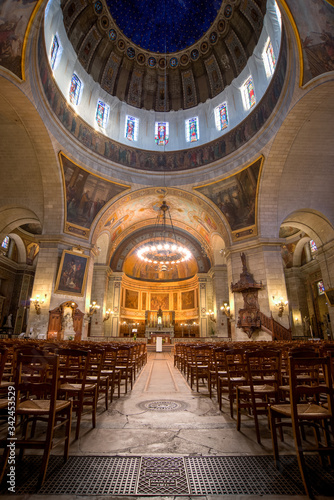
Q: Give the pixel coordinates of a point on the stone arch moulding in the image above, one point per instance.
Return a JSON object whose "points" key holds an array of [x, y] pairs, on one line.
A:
{"points": [[12, 217], [313, 223]]}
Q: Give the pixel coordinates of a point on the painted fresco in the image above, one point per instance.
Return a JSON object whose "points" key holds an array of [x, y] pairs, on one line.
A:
{"points": [[188, 300], [143, 301], [159, 300], [131, 299], [175, 301], [86, 194], [287, 254], [236, 196], [315, 27], [151, 160], [14, 19]]}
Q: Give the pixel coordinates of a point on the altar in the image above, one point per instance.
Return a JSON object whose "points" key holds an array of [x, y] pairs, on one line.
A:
{"points": [[159, 324]]}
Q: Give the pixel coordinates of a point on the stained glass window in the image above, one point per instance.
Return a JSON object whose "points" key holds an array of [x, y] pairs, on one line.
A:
{"points": [[54, 51], [102, 114], [161, 133], [131, 128], [75, 89], [269, 58], [5, 243], [313, 246], [221, 118], [192, 130], [248, 93], [321, 288]]}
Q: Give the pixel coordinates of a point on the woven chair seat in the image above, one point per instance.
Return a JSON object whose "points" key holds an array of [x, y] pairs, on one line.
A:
{"points": [[304, 410], [76, 387], [39, 406]]}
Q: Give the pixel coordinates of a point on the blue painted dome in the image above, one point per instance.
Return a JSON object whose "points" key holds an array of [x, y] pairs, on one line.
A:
{"points": [[164, 26]]}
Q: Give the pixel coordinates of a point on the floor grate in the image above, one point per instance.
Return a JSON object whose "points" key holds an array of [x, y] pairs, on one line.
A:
{"points": [[170, 475]]}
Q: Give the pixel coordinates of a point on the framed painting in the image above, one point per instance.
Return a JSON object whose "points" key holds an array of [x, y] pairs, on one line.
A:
{"points": [[188, 300], [72, 274], [131, 299]]}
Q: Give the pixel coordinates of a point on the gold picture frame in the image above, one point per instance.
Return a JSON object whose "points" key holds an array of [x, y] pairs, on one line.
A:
{"points": [[72, 274]]}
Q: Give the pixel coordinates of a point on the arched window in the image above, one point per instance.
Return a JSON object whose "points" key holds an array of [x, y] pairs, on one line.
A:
{"points": [[313, 246], [192, 129], [56, 51], [5, 245], [161, 133], [131, 128], [269, 58], [248, 93], [221, 117], [102, 113], [75, 89]]}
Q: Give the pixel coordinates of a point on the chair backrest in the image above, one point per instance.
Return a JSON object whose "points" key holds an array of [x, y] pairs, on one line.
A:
{"points": [[236, 363], [201, 355], [73, 365], [264, 367], [4, 352], [36, 377], [314, 389]]}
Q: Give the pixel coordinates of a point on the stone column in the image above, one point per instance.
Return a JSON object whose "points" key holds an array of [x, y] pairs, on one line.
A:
{"points": [[47, 265], [297, 295], [325, 257], [114, 303], [203, 305], [220, 295], [99, 294]]}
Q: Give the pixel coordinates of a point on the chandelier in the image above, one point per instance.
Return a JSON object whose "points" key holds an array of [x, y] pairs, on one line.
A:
{"points": [[161, 252]]}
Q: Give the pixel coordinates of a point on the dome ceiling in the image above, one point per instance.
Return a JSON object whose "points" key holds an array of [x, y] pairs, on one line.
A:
{"points": [[170, 57], [163, 26]]}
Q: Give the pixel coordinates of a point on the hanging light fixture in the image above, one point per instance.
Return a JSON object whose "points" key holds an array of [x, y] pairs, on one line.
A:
{"points": [[164, 251]]}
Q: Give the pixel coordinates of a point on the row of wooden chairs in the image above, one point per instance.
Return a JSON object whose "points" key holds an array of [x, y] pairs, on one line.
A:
{"points": [[291, 383], [49, 381]]}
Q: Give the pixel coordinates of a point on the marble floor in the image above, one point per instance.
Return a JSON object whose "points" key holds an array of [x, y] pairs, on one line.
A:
{"points": [[162, 416]]}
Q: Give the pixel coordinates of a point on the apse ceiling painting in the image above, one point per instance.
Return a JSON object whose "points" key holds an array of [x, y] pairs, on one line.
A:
{"points": [[85, 196], [140, 208], [236, 198]]}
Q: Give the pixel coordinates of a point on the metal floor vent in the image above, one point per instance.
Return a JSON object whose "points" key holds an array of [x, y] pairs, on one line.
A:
{"points": [[170, 475]]}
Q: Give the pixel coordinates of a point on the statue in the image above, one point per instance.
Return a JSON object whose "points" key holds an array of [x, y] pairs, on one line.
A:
{"points": [[67, 324], [9, 321]]}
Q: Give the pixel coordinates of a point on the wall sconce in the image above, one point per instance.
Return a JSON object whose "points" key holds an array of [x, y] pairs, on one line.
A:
{"points": [[281, 304], [108, 314], [93, 307], [37, 303], [211, 315], [225, 309]]}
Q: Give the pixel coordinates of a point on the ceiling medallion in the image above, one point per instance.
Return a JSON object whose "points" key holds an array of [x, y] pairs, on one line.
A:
{"points": [[164, 251]]}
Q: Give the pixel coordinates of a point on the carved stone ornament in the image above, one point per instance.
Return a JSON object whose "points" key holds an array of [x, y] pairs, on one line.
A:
{"points": [[249, 315]]}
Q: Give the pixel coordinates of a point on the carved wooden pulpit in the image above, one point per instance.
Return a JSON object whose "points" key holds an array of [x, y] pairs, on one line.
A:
{"points": [[249, 315]]}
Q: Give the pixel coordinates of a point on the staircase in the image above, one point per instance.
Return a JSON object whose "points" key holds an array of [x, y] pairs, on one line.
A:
{"points": [[276, 330]]}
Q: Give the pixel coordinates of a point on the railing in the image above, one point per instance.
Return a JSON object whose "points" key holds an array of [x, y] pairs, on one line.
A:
{"points": [[278, 331]]}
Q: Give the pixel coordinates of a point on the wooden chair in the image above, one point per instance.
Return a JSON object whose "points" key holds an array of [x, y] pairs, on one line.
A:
{"points": [[200, 363], [311, 404], [109, 369], [73, 369], [124, 365], [36, 401], [264, 379], [218, 371], [236, 368]]}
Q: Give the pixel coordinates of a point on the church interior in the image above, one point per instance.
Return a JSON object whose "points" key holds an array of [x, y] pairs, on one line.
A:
{"points": [[167, 171], [242, 160]]}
